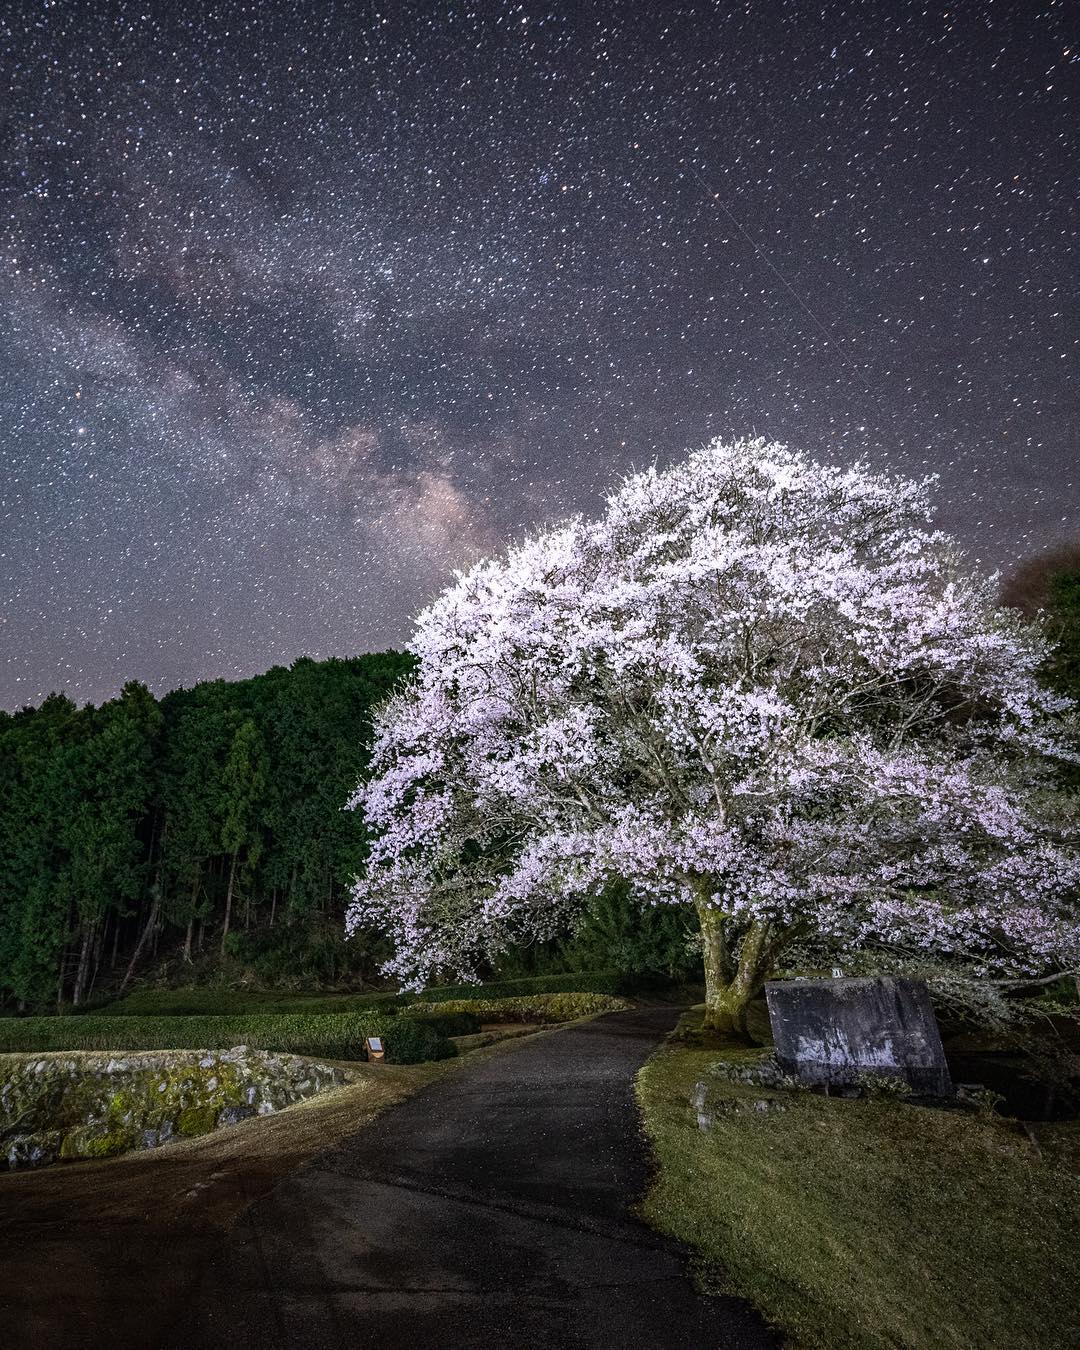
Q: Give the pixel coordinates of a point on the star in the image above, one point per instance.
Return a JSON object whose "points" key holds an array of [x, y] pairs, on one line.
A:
{"points": [[346, 304]]}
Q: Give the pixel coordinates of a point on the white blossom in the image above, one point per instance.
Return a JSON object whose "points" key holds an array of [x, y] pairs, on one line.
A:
{"points": [[755, 676]]}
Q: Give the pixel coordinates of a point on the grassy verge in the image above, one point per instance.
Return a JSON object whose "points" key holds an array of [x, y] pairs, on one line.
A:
{"points": [[332, 1036], [236, 1002], [867, 1224]]}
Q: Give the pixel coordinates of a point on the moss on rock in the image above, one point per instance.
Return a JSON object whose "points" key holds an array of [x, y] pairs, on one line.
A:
{"points": [[89, 1106], [197, 1120]]}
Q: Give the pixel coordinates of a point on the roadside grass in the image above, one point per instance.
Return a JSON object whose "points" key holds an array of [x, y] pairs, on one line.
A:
{"points": [[860, 1225], [330, 1036], [237, 1002]]}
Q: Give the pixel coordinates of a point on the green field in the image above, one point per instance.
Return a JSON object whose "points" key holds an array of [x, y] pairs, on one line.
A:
{"points": [[860, 1225]]}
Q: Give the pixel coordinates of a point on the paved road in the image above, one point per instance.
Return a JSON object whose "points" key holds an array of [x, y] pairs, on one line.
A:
{"points": [[489, 1212]]}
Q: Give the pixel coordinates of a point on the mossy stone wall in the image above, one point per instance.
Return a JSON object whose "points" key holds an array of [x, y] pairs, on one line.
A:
{"points": [[85, 1105]]}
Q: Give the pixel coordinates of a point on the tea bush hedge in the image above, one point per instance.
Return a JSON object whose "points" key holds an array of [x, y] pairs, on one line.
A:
{"points": [[328, 1036], [242, 1002], [534, 1008]]}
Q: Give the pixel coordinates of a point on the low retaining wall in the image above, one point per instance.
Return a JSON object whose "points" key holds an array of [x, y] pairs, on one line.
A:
{"points": [[97, 1104]]}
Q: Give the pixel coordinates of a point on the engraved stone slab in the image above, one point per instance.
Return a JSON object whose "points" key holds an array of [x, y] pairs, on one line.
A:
{"points": [[828, 1032]]}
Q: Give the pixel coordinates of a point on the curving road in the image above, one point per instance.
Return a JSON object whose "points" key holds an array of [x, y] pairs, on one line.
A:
{"points": [[489, 1212]]}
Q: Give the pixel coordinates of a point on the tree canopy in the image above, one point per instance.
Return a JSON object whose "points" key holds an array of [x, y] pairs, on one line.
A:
{"points": [[757, 687]]}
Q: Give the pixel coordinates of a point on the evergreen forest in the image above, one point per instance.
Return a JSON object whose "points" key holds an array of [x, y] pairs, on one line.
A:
{"points": [[207, 825]]}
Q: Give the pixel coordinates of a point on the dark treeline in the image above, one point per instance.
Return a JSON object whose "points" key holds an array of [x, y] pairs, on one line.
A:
{"points": [[203, 825]]}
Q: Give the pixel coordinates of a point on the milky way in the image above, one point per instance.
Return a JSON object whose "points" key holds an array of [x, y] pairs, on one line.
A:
{"points": [[304, 306]]}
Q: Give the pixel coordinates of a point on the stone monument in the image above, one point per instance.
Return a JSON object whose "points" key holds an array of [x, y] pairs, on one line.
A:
{"points": [[830, 1032]]}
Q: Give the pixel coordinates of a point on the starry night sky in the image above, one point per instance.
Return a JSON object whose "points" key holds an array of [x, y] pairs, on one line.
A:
{"points": [[304, 305]]}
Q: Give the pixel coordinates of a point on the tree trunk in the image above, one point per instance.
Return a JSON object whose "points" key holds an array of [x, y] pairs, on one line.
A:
{"points": [[731, 986], [144, 935], [228, 902], [61, 978], [99, 942], [726, 1011], [83, 971], [719, 968], [191, 915], [273, 905]]}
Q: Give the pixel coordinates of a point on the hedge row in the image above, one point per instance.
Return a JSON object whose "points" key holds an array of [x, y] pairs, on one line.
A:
{"points": [[242, 1003], [536, 1008], [326, 1036], [588, 982], [239, 1002]]}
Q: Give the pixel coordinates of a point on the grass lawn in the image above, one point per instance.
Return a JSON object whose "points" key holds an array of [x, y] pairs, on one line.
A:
{"points": [[869, 1224]]}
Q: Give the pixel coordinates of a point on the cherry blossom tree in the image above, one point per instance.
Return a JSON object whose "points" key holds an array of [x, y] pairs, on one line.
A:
{"points": [[757, 686]]}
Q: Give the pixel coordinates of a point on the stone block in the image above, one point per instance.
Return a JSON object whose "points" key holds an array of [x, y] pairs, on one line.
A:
{"points": [[830, 1032]]}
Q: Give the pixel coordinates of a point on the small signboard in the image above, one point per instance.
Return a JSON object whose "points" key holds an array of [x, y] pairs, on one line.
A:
{"points": [[831, 1032], [374, 1047]]}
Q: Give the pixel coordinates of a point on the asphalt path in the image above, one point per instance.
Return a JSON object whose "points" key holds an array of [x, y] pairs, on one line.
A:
{"points": [[491, 1211]]}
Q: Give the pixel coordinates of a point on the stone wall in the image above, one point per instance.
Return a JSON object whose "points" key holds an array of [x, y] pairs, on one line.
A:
{"points": [[93, 1105]]}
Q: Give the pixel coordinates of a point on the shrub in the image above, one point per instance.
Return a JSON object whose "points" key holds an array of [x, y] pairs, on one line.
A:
{"points": [[241, 1002], [882, 1087], [983, 1100], [411, 1041]]}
